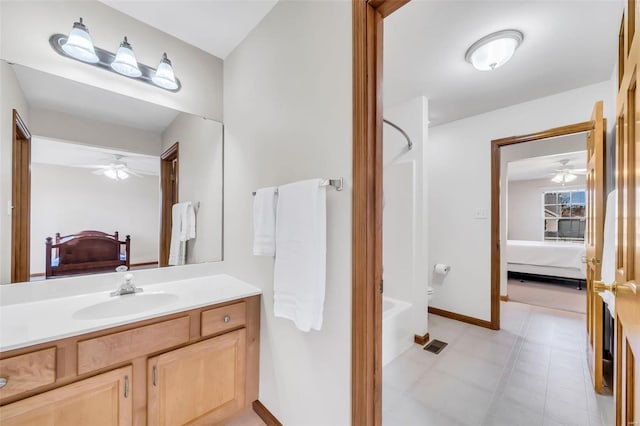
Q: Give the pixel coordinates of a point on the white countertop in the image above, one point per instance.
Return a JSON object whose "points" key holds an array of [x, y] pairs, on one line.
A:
{"points": [[30, 323]]}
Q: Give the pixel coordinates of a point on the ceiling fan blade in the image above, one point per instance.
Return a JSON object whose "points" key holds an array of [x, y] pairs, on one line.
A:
{"points": [[98, 172]]}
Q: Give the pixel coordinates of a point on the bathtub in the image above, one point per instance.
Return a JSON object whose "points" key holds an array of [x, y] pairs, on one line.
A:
{"points": [[397, 334]]}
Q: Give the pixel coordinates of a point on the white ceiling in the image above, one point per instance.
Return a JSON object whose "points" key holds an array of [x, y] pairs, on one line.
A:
{"points": [[60, 153], [48, 91], [544, 167], [567, 44], [215, 26]]}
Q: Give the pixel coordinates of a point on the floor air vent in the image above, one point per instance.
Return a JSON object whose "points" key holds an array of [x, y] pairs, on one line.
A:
{"points": [[435, 346]]}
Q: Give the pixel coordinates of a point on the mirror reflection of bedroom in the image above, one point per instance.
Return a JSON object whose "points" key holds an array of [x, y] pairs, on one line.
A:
{"points": [[113, 183], [545, 218]]}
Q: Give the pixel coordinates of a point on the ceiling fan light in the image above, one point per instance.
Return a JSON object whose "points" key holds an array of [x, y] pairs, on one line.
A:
{"points": [[494, 50], [164, 76], [125, 62], [557, 178], [111, 174], [569, 177], [122, 175], [79, 44]]}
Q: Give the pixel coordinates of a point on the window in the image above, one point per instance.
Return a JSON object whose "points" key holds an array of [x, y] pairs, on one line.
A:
{"points": [[564, 215]]}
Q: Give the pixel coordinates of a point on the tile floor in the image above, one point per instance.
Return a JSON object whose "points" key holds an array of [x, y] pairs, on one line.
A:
{"points": [[532, 372]]}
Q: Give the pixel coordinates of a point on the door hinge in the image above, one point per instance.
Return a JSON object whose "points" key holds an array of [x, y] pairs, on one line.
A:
{"points": [[126, 386], [155, 375], [381, 285]]}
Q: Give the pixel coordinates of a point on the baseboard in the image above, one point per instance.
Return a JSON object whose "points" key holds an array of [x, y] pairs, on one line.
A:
{"points": [[504, 298], [421, 340], [266, 416], [460, 317]]}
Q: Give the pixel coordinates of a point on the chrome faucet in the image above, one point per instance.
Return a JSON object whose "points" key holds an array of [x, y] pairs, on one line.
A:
{"points": [[127, 286]]}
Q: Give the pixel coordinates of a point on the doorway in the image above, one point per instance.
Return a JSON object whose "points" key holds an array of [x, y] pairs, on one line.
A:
{"points": [[169, 163], [21, 199]]}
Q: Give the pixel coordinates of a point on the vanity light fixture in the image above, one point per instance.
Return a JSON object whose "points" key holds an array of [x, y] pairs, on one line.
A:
{"points": [[78, 46], [494, 50], [125, 62], [164, 76]]}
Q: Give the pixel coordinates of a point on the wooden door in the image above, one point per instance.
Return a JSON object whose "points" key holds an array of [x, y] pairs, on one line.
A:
{"points": [[594, 237], [103, 400], [21, 201], [627, 305], [169, 168], [200, 384]]}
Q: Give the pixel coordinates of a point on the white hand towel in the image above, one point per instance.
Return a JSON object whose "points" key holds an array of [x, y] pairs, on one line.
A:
{"points": [[301, 252], [182, 229], [264, 222]]}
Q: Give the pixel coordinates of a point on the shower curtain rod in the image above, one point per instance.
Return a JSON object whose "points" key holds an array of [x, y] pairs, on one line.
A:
{"points": [[395, 126]]}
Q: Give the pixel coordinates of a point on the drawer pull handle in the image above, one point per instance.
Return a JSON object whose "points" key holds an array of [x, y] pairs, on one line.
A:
{"points": [[227, 318], [126, 386], [4, 381], [155, 376]]}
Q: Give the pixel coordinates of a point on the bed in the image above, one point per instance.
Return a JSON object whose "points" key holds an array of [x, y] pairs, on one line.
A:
{"points": [[555, 259], [85, 252]]}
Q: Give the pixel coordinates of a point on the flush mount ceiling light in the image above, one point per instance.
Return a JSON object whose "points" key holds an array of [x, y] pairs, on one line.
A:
{"points": [[78, 46], [494, 50]]}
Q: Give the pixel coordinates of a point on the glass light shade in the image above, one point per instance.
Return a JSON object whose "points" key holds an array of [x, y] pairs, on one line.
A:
{"points": [[122, 175], [111, 174], [125, 62], [164, 76], [79, 44], [564, 177], [494, 50], [569, 177]]}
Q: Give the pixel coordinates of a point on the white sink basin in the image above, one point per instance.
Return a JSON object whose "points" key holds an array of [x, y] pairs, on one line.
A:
{"points": [[128, 304]]}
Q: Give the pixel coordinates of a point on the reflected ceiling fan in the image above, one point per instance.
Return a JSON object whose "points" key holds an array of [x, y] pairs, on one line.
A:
{"points": [[116, 169], [566, 173]]}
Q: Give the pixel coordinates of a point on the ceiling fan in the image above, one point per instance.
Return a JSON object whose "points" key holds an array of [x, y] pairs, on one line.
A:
{"points": [[116, 169], [566, 174]]}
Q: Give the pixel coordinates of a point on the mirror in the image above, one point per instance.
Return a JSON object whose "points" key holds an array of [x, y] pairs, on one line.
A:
{"points": [[106, 172]]}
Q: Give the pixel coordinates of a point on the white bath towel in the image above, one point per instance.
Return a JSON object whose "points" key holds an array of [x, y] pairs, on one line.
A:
{"points": [[301, 252], [264, 222], [183, 228]]}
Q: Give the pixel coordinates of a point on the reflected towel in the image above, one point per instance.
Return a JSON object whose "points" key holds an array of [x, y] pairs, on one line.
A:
{"points": [[264, 222], [301, 252], [183, 228]]}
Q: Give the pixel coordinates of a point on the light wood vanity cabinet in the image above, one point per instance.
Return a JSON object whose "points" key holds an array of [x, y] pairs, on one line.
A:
{"points": [[193, 367], [102, 400]]}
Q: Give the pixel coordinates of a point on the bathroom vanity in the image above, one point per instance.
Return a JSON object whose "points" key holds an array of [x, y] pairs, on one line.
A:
{"points": [[182, 352]]}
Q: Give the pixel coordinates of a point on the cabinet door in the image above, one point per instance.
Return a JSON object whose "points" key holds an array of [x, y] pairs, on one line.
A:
{"points": [[201, 383], [103, 400]]}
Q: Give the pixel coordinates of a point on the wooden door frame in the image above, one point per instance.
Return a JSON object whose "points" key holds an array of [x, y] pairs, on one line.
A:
{"points": [[496, 144], [21, 200], [166, 203], [366, 328]]}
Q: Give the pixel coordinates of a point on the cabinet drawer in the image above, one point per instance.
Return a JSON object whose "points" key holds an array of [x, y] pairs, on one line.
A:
{"points": [[111, 349], [225, 318], [28, 371]]}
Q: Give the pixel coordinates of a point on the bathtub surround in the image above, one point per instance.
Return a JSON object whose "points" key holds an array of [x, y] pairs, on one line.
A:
{"points": [[288, 117], [406, 272]]}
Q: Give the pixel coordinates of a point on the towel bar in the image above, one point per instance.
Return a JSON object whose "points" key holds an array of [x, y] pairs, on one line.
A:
{"points": [[336, 183]]}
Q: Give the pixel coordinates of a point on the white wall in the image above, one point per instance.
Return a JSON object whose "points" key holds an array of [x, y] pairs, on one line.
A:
{"points": [[459, 169], [200, 180], [199, 72], [11, 97], [404, 252], [525, 203], [84, 131], [288, 111], [69, 200]]}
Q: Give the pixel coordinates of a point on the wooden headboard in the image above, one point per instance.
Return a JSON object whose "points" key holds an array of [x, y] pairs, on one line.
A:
{"points": [[86, 252]]}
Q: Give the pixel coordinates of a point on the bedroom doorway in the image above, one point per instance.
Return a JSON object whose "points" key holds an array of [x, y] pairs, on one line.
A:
{"points": [[557, 207], [21, 200], [169, 162]]}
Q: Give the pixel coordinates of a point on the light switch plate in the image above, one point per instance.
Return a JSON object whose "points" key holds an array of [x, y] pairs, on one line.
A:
{"points": [[480, 213]]}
